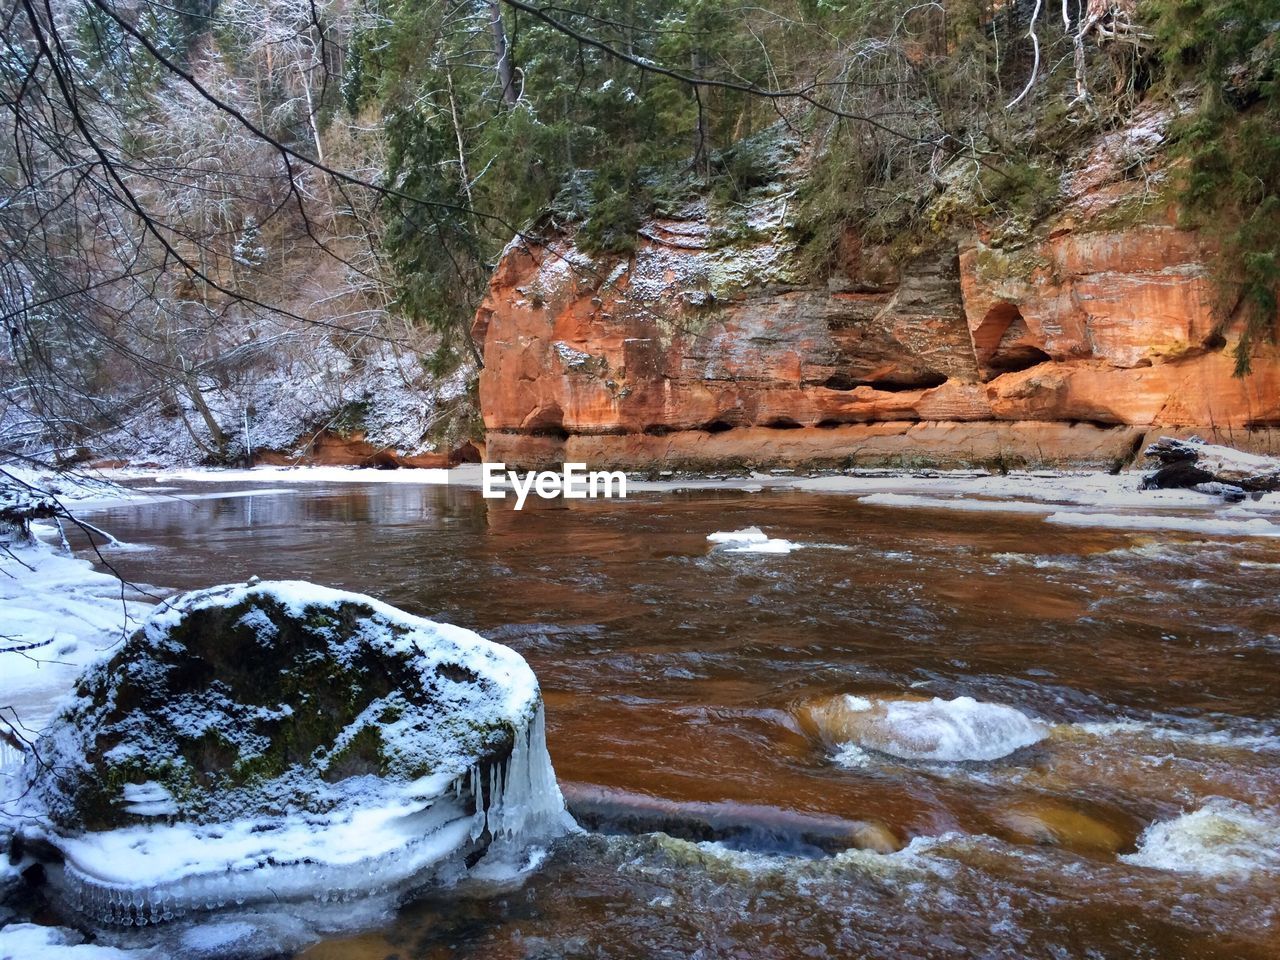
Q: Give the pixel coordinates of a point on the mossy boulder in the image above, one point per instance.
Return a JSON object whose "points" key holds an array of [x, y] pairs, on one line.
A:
{"points": [[273, 699]]}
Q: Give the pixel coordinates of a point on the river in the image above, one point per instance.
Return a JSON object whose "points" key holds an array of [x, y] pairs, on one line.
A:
{"points": [[676, 671]]}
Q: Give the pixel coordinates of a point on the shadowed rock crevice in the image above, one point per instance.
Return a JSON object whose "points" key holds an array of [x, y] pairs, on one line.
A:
{"points": [[901, 384], [1002, 343]]}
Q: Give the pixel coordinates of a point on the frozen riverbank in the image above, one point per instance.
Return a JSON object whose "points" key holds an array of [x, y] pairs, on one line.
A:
{"points": [[1072, 498]]}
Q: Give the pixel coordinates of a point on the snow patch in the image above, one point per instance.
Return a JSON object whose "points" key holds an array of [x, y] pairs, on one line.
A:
{"points": [[29, 941], [58, 615], [1208, 526]]}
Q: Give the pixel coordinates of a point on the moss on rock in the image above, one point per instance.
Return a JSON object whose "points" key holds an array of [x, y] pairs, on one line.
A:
{"points": [[264, 703]]}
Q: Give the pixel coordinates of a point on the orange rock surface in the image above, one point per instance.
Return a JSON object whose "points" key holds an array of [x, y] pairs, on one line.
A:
{"points": [[693, 351]]}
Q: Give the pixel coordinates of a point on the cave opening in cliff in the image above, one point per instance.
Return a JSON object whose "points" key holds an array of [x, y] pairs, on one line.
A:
{"points": [[1017, 358], [920, 380], [1002, 342], [841, 381], [547, 421]]}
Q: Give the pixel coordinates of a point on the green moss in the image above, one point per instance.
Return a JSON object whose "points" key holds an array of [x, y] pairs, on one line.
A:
{"points": [[993, 265], [350, 418], [361, 754], [1134, 211], [243, 700]]}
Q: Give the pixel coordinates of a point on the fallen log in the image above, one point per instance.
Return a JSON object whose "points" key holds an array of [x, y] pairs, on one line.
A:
{"points": [[1189, 463]]}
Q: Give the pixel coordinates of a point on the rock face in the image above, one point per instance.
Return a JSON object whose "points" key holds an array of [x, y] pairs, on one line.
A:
{"points": [[287, 737], [326, 449], [705, 346]]}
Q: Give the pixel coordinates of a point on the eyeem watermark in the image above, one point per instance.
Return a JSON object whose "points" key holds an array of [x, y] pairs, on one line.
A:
{"points": [[573, 482]]}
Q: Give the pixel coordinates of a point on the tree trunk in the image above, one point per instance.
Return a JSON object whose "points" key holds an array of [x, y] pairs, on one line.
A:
{"points": [[196, 395], [501, 55]]}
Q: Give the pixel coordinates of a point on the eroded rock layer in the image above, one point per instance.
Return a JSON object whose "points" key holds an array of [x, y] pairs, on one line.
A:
{"points": [[705, 346]]}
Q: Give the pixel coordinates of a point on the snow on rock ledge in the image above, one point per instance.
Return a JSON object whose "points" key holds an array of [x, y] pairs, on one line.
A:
{"points": [[916, 729], [288, 740]]}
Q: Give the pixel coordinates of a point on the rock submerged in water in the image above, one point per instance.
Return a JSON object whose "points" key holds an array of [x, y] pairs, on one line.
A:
{"points": [[1047, 823], [918, 729], [324, 738]]}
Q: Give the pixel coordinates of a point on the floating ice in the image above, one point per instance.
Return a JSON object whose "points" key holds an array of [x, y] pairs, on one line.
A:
{"points": [[745, 535], [937, 729], [1223, 837], [750, 540]]}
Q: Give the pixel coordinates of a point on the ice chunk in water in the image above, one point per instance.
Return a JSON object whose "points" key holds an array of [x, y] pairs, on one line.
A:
{"points": [[745, 535], [937, 729], [750, 540]]}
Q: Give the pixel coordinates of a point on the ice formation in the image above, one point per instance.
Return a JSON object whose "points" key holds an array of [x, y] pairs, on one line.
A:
{"points": [[451, 792], [745, 535], [749, 540], [934, 730], [151, 874]]}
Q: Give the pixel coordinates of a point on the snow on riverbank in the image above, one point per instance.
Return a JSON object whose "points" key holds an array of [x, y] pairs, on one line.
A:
{"points": [[59, 615], [29, 941], [293, 475]]}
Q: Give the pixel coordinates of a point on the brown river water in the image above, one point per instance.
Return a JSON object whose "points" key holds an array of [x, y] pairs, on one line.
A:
{"points": [[677, 673]]}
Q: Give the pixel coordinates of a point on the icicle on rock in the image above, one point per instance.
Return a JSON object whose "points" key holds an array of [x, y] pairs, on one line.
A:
{"points": [[398, 747]]}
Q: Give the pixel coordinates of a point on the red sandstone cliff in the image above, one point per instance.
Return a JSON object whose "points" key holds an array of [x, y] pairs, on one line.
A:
{"points": [[1067, 347]]}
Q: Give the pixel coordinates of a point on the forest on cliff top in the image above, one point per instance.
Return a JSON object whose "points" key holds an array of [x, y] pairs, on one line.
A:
{"points": [[254, 221]]}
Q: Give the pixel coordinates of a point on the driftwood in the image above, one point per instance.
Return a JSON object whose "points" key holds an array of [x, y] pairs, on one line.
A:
{"points": [[1214, 468]]}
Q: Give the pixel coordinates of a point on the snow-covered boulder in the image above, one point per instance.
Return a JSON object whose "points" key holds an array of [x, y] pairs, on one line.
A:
{"points": [[287, 740]]}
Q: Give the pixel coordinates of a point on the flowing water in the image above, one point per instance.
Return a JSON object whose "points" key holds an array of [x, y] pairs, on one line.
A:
{"points": [[1133, 814]]}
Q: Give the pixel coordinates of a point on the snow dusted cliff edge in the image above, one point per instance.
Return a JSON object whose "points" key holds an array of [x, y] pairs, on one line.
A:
{"points": [[1072, 341]]}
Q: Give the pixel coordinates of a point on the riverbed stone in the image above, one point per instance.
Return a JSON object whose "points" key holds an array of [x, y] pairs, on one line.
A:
{"points": [[272, 699], [1044, 822]]}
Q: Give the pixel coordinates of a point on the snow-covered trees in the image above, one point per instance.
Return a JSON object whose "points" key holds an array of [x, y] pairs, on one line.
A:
{"points": [[181, 183], [166, 205]]}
